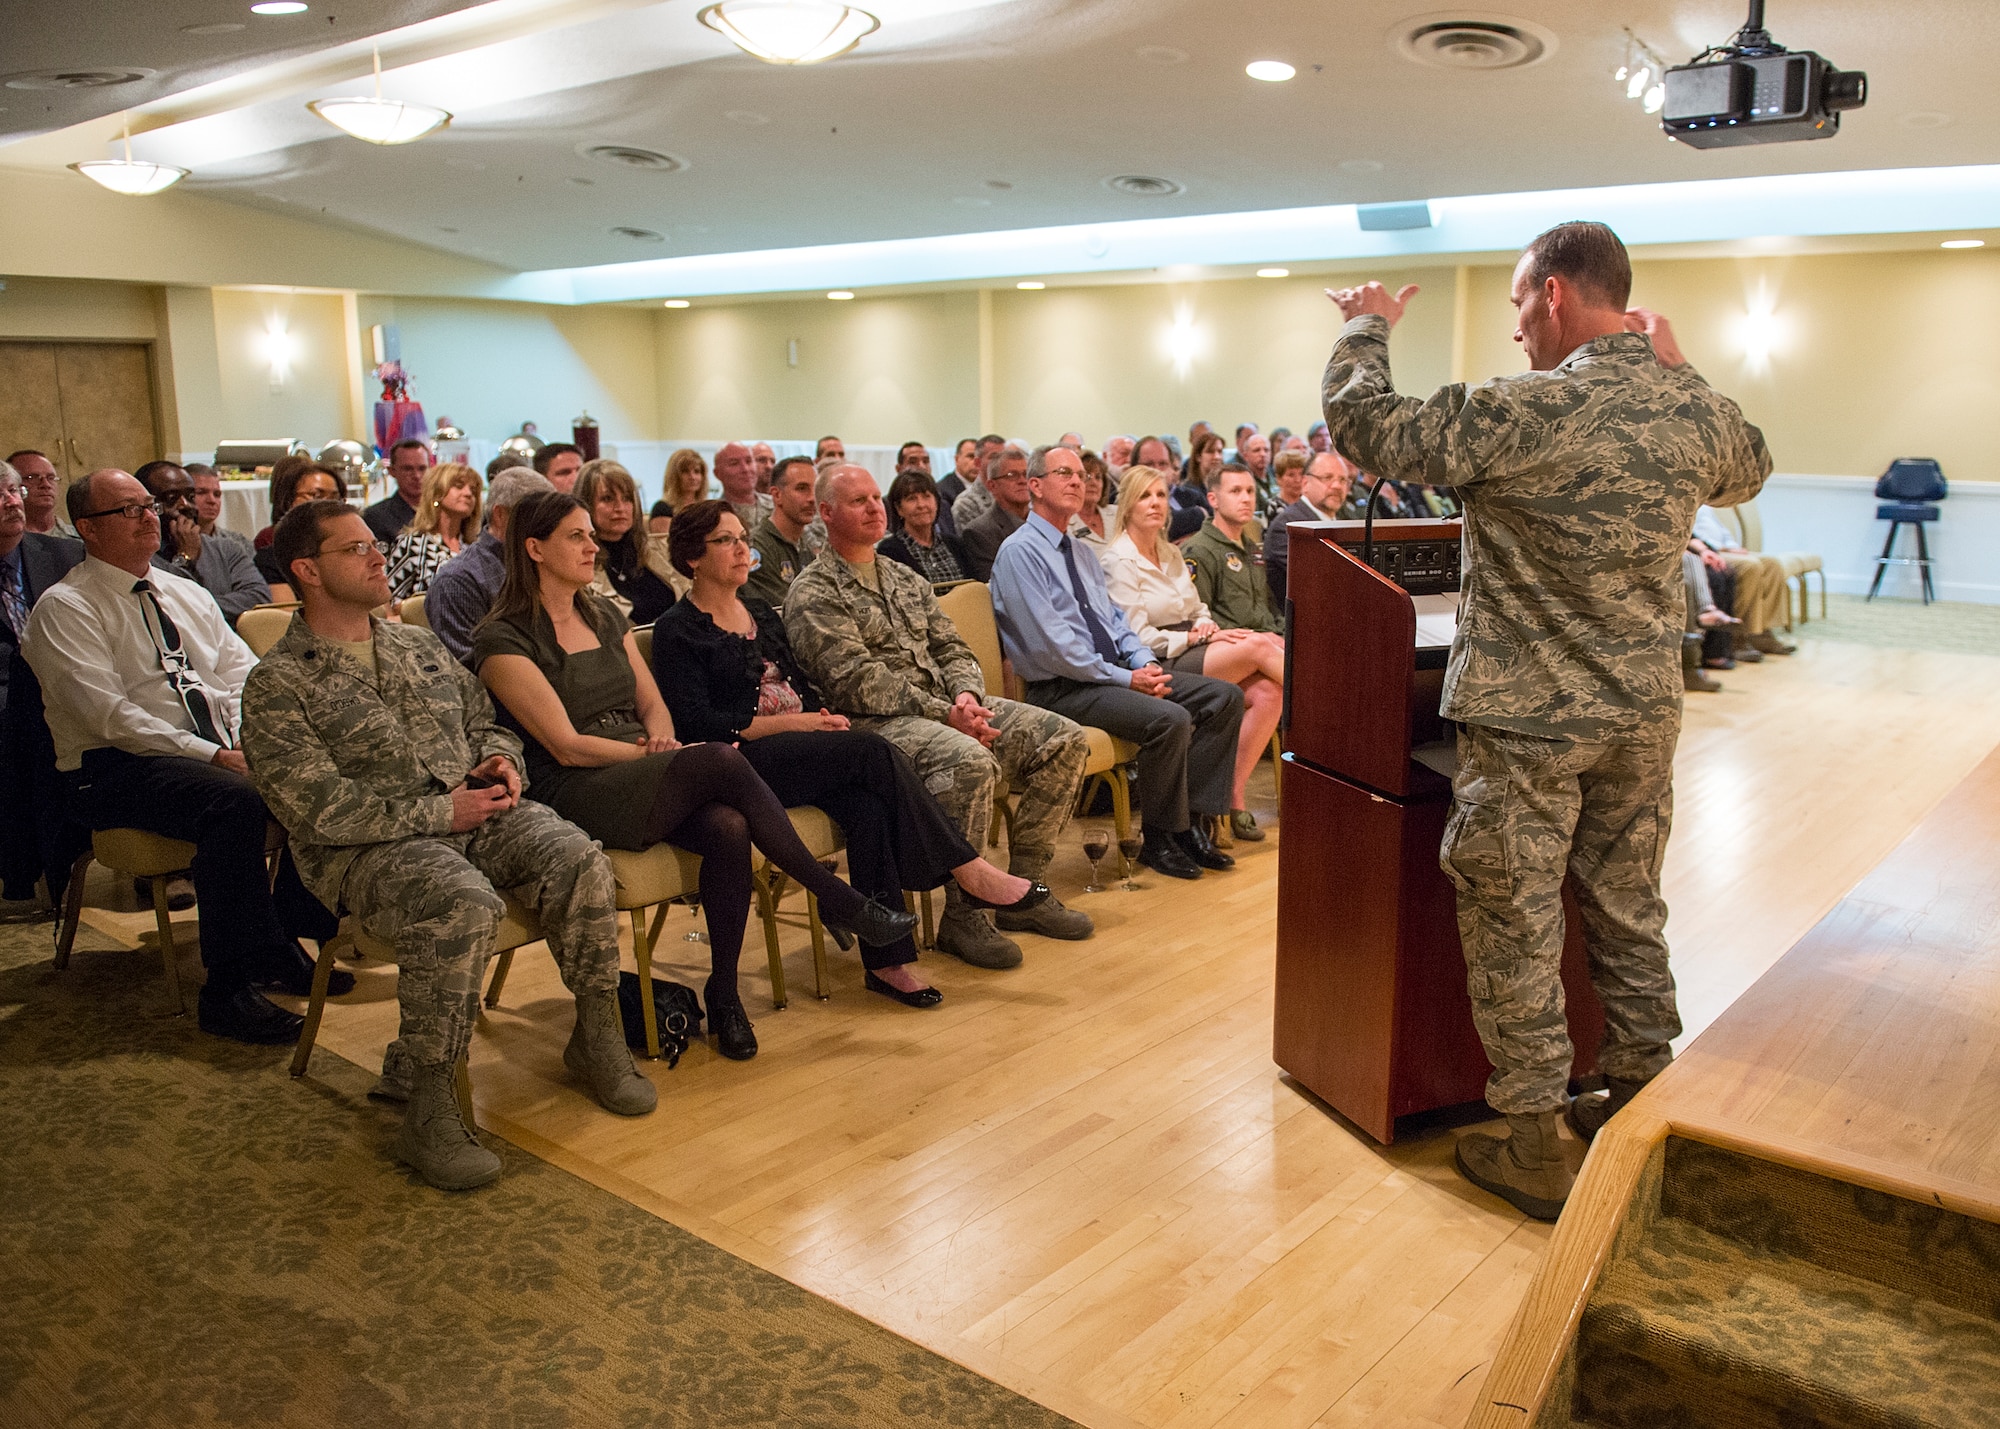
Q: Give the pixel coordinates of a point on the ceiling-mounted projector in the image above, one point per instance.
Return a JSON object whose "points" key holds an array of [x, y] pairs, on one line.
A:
{"points": [[1754, 91]]}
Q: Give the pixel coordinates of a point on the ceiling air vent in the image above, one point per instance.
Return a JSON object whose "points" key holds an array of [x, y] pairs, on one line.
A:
{"points": [[1144, 185], [75, 78], [638, 235], [629, 156], [1472, 41]]}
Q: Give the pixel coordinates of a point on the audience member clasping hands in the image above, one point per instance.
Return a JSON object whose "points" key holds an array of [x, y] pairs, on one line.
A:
{"points": [[499, 791], [1152, 680], [971, 718]]}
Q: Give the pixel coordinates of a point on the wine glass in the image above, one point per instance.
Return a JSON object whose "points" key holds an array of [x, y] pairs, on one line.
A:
{"points": [[1096, 844], [694, 934], [1128, 853]]}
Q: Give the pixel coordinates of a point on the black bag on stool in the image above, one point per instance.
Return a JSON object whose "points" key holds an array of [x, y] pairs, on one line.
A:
{"points": [[675, 1008]]}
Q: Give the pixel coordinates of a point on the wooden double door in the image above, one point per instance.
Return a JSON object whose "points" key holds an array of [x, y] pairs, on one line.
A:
{"points": [[85, 405]]}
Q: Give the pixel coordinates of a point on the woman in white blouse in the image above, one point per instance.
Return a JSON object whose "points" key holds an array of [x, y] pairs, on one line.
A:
{"points": [[1150, 583]]}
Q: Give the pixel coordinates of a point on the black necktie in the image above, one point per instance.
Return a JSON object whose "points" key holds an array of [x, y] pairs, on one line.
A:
{"points": [[180, 674], [1100, 638]]}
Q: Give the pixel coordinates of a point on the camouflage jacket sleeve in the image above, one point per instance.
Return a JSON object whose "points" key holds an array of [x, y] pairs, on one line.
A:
{"points": [[1447, 440], [1746, 460], [485, 736], [296, 773]]}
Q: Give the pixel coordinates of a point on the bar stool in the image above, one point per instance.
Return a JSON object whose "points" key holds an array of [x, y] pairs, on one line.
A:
{"points": [[1909, 488]]}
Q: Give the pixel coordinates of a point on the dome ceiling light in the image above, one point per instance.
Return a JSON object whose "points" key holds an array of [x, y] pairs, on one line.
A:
{"points": [[130, 176], [378, 120], [790, 32]]}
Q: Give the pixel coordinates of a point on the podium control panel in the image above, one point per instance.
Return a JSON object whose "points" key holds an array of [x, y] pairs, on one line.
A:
{"points": [[1422, 555]]}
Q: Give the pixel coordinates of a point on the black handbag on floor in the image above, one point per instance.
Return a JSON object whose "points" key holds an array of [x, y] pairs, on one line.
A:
{"points": [[675, 1008]]}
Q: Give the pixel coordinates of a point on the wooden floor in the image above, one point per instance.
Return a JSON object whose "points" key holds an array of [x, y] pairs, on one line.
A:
{"points": [[1086, 1179]]}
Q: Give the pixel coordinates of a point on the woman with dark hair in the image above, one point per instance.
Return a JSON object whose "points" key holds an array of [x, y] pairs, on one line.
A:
{"points": [[632, 569], [601, 749], [726, 668], [294, 482], [914, 538], [1092, 523]]}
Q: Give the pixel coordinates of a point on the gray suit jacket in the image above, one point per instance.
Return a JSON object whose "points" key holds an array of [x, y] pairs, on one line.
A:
{"points": [[44, 561]]}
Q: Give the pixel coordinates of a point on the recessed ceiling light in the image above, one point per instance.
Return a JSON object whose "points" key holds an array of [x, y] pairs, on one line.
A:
{"points": [[1161, 55], [1360, 166], [227, 27], [584, 183], [1963, 243], [841, 295], [677, 302], [1274, 272], [1270, 71], [638, 235], [278, 7], [1031, 287], [1001, 184]]}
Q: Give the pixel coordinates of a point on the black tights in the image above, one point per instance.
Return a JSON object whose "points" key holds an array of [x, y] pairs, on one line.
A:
{"points": [[713, 805]]}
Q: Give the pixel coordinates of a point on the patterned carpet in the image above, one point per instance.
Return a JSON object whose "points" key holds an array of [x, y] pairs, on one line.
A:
{"points": [[191, 1237], [1956, 627]]}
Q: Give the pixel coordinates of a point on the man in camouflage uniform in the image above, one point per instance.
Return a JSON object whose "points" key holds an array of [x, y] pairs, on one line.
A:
{"points": [[379, 753], [871, 636], [1580, 481]]}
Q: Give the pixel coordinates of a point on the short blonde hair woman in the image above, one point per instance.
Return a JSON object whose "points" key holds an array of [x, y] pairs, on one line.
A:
{"points": [[687, 478], [1149, 581], [447, 520]]}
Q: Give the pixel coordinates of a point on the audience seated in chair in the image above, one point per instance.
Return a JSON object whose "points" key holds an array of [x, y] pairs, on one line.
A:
{"points": [[1763, 599], [915, 536], [868, 633], [208, 508], [777, 541], [141, 678], [633, 572], [1007, 487], [33, 842], [1081, 659], [402, 795], [1091, 527], [1323, 496], [601, 749], [447, 520], [294, 482], [736, 474], [728, 673], [409, 463], [464, 591], [224, 569]]}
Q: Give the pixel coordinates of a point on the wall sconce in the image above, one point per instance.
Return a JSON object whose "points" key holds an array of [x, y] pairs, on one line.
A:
{"points": [[1185, 340], [1760, 330], [279, 349]]}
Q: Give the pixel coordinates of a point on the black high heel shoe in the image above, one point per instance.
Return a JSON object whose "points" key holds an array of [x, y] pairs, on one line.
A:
{"points": [[922, 997], [873, 924], [1038, 893]]}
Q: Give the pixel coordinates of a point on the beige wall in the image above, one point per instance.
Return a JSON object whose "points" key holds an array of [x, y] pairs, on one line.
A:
{"points": [[303, 395], [879, 371], [73, 309]]}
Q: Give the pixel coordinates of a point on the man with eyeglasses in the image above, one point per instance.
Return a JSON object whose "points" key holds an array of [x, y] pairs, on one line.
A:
{"points": [[30, 563], [1007, 487], [403, 794], [38, 493], [225, 570], [140, 679]]}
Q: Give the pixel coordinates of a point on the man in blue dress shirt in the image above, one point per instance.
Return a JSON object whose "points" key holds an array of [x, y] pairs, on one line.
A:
{"points": [[1080, 658]]}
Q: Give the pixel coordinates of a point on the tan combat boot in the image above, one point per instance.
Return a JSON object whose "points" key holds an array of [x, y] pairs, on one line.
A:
{"points": [[1586, 1115], [435, 1139], [598, 1054], [1526, 1168]]}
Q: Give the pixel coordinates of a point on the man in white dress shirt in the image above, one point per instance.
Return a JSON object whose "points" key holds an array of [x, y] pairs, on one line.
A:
{"points": [[140, 679]]}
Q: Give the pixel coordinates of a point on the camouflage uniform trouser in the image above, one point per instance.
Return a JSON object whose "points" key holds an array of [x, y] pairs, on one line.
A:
{"points": [[1524, 811], [432, 899], [1040, 753]]}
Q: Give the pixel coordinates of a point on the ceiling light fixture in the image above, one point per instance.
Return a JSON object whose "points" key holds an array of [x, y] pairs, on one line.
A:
{"points": [[841, 295], [134, 177], [278, 7], [1270, 71], [677, 302], [1274, 272], [1963, 243], [790, 32], [378, 120], [1031, 287]]}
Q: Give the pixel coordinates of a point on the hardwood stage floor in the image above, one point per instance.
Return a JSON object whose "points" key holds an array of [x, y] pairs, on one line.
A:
{"points": [[1086, 1178]]}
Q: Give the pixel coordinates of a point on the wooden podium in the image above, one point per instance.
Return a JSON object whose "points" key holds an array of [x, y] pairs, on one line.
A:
{"points": [[1372, 1013]]}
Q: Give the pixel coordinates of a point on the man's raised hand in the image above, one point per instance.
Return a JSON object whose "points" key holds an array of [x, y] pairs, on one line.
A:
{"points": [[1373, 299]]}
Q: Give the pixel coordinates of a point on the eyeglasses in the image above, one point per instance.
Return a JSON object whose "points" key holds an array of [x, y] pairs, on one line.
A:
{"points": [[36, 478], [132, 511], [350, 548], [726, 541]]}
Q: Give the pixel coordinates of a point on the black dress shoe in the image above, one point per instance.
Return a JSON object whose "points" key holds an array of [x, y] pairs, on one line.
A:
{"points": [[1199, 847], [734, 1038], [1163, 855], [246, 1015], [873, 924], [1038, 893], [292, 972], [922, 997]]}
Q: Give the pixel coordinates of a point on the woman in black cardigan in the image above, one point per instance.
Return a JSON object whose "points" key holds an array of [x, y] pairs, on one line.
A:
{"points": [[726, 670]]}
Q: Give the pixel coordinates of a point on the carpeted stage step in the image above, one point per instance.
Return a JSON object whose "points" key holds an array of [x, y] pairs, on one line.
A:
{"points": [[1746, 1295]]}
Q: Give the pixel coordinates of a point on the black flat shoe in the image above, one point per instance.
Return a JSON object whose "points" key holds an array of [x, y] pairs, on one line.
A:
{"points": [[873, 924], [1201, 849], [734, 1038], [246, 1015], [1037, 894], [922, 997]]}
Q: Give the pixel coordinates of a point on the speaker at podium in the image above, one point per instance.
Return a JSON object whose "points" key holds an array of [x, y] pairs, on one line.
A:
{"points": [[1372, 1014]]}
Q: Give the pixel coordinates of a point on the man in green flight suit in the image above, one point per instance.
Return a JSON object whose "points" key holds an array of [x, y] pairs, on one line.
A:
{"points": [[1580, 482]]}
